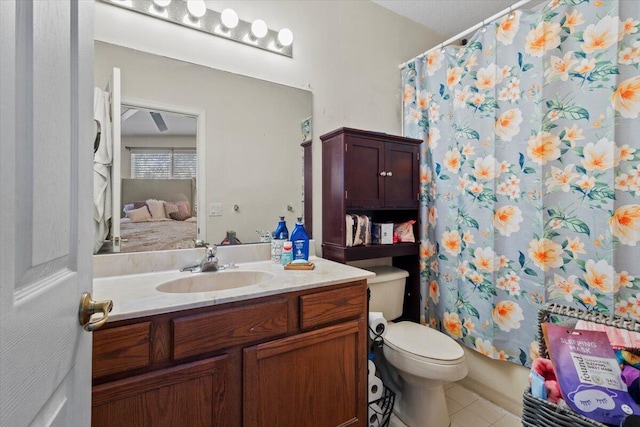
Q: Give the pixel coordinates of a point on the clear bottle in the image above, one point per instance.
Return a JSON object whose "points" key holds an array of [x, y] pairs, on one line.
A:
{"points": [[300, 241], [287, 253], [281, 232]]}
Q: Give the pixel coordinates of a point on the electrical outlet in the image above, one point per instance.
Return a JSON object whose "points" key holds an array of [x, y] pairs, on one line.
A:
{"points": [[215, 209]]}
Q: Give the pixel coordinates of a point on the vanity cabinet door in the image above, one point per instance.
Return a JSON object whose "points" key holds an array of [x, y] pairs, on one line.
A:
{"points": [[314, 379], [195, 395]]}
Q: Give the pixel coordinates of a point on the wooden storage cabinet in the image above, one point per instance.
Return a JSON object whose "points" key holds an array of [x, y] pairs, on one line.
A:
{"points": [[378, 172], [266, 361], [377, 175]]}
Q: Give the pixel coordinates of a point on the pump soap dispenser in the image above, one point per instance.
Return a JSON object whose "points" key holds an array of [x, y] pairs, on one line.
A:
{"points": [[300, 241]]}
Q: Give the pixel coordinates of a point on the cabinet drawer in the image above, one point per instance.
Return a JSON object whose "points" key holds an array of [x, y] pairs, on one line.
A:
{"points": [[327, 307], [203, 333], [121, 349]]}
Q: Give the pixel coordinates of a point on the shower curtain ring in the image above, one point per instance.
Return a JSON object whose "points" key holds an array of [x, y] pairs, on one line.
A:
{"points": [[511, 15], [442, 47], [484, 28]]}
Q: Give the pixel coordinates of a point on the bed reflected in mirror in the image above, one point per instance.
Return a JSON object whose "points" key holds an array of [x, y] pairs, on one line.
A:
{"points": [[158, 203]]}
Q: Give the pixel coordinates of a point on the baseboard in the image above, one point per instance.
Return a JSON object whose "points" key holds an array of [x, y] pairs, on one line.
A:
{"points": [[509, 403]]}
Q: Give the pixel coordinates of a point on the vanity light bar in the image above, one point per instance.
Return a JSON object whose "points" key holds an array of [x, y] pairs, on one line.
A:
{"points": [[191, 15]]}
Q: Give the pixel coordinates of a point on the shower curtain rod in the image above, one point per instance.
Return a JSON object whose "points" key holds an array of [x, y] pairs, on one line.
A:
{"points": [[467, 31]]}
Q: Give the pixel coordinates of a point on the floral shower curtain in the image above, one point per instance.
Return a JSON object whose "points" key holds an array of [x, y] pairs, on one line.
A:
{"points": [[530, 172]]}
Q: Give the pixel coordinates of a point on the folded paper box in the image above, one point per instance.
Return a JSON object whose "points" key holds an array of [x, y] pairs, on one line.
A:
{"points": [[382, 233]]}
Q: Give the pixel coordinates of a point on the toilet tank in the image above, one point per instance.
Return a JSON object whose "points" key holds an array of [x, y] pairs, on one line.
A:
{"points": [[387, 290]]}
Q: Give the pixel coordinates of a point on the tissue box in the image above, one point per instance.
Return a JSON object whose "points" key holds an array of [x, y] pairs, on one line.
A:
{"points": [[382, 233]]}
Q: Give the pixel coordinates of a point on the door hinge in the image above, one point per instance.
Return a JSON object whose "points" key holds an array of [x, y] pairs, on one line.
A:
{"points": [[418, 156], [418, 195], [346, 147], [346, 194]]}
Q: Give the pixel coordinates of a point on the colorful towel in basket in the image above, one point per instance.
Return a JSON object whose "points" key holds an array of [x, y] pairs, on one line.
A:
{"points": [[619, 338]]}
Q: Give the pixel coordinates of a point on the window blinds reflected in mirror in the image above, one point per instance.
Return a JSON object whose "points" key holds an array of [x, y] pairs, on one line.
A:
{"points": [[163, 163]]}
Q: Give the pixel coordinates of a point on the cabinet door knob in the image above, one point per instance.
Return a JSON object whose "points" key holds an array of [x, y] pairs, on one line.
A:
{"points": [[389, 174], [383, 173]]}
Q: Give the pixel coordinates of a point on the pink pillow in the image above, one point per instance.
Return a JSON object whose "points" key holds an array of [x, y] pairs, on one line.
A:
{"points": [[170, 207], [179, 216], [184, 207], [139, 215]]}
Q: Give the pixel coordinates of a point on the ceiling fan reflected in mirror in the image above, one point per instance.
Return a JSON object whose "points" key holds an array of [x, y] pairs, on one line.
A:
{"points": [[157, 118]]}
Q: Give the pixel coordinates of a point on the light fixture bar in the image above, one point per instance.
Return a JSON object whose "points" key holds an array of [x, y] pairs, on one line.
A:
{"points": [[211, 23]]}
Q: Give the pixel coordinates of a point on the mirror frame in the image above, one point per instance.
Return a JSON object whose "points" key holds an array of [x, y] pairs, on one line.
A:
{"points": [[201, 174]]}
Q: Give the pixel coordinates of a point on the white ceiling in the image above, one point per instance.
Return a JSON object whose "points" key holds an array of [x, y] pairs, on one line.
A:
{"points": [[448, 17], [141, 124]]}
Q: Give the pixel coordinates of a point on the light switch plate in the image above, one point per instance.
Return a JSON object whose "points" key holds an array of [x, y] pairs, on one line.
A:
{"points": [[215, 209]]}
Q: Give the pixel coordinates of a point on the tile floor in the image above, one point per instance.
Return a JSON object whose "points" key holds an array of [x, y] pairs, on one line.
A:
{"points": [[467, 409]]}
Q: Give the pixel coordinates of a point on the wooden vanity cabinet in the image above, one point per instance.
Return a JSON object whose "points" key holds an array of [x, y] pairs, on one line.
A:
{"points": [[378, 175], [291, 359]]}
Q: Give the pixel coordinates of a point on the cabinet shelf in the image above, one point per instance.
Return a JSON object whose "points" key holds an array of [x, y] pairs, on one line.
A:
{"points": [[355, 253]]}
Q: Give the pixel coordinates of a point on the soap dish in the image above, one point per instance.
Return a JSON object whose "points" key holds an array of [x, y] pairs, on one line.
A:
{"points": [[307, 266]]}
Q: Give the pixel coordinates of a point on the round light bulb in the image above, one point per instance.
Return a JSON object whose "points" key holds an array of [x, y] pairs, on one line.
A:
{"points": [[229, 18], [196, 8], [259, 28], [162, 3], [285, 37]]}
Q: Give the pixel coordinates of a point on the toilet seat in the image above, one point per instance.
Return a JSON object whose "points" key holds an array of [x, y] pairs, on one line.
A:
{"points": [[421, 343]]}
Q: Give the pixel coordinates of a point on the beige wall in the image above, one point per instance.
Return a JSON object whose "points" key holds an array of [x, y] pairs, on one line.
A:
{"points": [[500, 382]]}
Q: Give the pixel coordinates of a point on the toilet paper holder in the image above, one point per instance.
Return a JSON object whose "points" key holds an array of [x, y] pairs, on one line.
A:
{"points": [[379, 411]]}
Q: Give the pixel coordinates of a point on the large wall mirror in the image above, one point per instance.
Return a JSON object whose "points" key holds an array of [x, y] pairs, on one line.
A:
{"points": [[250, 168]]}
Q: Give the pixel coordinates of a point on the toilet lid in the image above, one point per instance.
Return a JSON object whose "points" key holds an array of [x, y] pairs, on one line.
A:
{"points": [[422, 341]]}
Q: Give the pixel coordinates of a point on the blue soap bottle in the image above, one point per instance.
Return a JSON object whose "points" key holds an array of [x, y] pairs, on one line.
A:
{"points": [[300, 241], [281, 232]]}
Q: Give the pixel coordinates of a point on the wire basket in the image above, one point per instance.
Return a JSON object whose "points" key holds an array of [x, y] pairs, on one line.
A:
{"points": [[538, 412], [382, 409]]}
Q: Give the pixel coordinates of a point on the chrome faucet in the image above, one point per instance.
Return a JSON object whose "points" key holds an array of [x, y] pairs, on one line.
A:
{"points": [[208, 263]]}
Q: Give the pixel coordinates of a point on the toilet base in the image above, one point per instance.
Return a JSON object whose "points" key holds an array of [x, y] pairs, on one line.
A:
{"points": [[422, 406]]}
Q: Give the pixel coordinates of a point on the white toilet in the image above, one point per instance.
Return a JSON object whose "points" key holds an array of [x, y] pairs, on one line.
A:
{"points": [[423, 357]]}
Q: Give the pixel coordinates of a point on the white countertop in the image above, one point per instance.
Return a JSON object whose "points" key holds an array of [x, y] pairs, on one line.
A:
{"points": [[135, 295]]}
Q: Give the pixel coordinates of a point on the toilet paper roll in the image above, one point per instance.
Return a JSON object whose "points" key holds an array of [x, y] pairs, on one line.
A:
{"points": [[377, 325], [371, 368], [375, 388], [374, 415]]}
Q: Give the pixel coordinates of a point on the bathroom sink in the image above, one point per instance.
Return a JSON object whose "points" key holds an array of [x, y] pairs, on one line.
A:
{"points": [[219, 281]]}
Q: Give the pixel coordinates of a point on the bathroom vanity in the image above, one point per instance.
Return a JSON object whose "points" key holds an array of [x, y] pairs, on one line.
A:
{"points": [[287, 351]]}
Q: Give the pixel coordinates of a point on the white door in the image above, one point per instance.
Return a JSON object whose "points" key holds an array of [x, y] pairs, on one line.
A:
{"points": [[46, 113]]}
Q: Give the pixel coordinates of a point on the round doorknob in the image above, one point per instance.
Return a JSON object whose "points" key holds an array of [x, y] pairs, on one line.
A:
{"points": [[389, 174], [383, 173]]}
